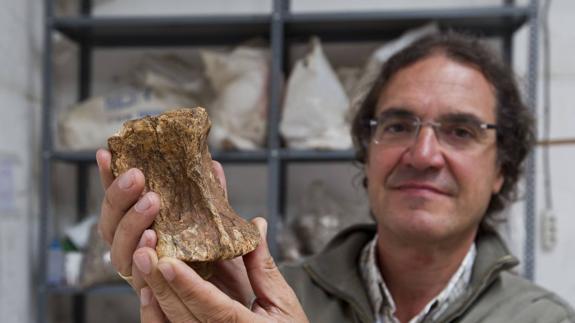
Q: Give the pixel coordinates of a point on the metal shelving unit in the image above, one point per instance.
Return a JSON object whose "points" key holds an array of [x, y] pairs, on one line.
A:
{"points": [[281, 28], [163, 31], [89, 156], [366, 26]]}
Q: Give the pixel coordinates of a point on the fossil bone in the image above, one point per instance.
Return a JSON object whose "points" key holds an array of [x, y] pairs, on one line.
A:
{"points": [[195, 223]]}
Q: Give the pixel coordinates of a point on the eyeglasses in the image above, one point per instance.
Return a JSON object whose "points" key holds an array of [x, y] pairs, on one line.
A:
{"points": [[458, 132]]}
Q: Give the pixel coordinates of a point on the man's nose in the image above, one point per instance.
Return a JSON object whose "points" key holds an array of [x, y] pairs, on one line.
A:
{"points": [[425, 150]]}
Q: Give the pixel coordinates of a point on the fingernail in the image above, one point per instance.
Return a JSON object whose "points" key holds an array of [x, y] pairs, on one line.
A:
{"points": [[167, 271], [98, 158], [143, 204], [126, 180], [145, 296], [265, 229], [143, 240], [143, 263]]}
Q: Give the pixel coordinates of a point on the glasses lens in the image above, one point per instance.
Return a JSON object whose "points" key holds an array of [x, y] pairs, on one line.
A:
{"points": [[395, 129], [461, 134]]}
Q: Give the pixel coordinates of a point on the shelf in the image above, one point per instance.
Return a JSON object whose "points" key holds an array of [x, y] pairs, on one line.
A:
{"points": [[382, 25], [233, 29], [236, 157], [89, 156], [80, 156], [119, 288], [163, 31], [293, 155]]}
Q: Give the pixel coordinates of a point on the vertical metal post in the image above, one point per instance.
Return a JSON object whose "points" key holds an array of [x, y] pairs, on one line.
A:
{"points": [[275, 168], [82, 179], [85, 7], [82, 183], [508, 38], [84, 89], [45, 187], [286, 7], [508, 48], [529, 251], [85, 56]]}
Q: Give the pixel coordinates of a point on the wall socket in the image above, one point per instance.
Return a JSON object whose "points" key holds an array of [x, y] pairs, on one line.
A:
{"points": [[548, 230]]}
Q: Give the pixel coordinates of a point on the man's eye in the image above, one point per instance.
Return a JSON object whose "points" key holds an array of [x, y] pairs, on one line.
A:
{"points": [[396, 127], [461, 132]]}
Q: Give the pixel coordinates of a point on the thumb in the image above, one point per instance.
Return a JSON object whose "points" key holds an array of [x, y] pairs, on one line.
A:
{"points": [[268, 284]]}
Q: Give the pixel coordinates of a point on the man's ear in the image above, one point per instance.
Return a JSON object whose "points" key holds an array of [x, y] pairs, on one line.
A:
{"points": [[498, 183], [365, 166]]}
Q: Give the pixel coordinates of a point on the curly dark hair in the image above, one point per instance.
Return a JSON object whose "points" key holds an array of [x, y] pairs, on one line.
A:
{"points": [[515, 128]]}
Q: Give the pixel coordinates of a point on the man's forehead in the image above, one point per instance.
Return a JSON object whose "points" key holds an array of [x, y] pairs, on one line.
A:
{"points": [[439, 86]]}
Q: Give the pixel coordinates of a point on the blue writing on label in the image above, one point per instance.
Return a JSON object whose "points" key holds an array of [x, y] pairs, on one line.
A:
{"points": [[126, 99]]}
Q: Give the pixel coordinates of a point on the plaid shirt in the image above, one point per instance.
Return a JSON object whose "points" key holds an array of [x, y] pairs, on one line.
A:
{"points": [[383, 303]]}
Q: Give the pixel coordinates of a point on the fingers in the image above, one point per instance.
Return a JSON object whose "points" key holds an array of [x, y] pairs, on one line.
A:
{"points": [[204, 300], [219, 172], [150, 311], [104, 161], [148, 239], [119, 198], [185, 297], [146, 261], [230, 277], [130, 230], [265, 277]]}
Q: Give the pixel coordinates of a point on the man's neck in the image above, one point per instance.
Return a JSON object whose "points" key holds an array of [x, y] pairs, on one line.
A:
{"points": [[416, 273]]}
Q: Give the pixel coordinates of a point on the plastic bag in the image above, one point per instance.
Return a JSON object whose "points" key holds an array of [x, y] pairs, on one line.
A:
{"points": [[97, 264], [170, 76], [80, 233], [315, 105], [288, 244], [89, 124], [321, 217], [238, 114], [379, 57], [158, 83], [348, 76]]}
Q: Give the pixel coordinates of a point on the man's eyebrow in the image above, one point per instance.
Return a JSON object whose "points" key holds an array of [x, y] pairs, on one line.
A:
{"points": [[396, 112], [461, 117], [453, 116]]}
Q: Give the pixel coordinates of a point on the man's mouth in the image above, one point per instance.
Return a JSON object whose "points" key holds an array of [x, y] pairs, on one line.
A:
{"points": [[421, 188]]}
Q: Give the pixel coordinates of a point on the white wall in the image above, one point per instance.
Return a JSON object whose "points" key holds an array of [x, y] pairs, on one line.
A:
{"points": [[554, 267], [19, 94]]}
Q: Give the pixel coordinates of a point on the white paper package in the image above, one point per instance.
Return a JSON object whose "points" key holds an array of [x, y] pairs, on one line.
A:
{"points": [[315, 105], [238, 113], [159, 83], [380, 56]]}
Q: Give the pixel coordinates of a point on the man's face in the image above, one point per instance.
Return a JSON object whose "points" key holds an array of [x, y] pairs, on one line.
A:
{"points": [[426, 190]]}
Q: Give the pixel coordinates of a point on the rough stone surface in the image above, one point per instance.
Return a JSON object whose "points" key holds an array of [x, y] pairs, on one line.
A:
{"points": [[195, 224]]}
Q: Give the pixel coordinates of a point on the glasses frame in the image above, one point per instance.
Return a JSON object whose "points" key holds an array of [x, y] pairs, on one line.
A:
{"points": [[419, 124]]}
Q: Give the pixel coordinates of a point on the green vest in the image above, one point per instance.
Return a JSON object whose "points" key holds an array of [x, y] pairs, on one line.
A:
{"points": [[330, 287]]}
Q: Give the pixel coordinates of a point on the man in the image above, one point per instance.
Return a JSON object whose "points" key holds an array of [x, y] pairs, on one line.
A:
{"points": [[442, 135]]}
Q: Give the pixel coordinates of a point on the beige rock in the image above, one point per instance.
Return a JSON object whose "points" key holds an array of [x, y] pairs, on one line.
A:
{"points": [[195, 224]]}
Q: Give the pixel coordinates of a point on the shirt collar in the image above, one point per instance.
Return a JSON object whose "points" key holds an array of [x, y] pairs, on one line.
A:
{"points": [[380, 297]]}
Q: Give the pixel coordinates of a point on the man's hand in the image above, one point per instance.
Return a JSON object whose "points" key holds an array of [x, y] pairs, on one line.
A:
{"points": [[126, 215], [177, 294]]}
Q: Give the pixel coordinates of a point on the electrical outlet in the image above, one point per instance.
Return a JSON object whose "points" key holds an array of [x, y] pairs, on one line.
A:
{"points": [[548, 230]]}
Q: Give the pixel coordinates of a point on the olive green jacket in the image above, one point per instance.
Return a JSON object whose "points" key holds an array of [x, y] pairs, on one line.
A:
{"points": [[330, 287]]}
